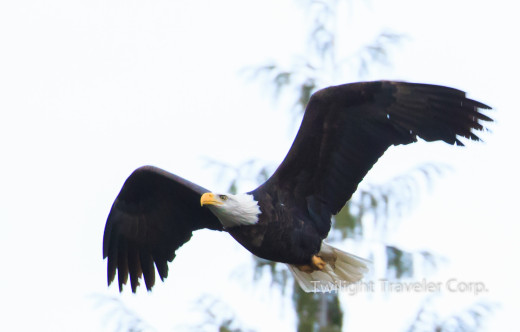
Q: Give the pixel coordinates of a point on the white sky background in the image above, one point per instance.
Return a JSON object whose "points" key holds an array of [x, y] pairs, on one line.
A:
{"points": [[90, 90]]}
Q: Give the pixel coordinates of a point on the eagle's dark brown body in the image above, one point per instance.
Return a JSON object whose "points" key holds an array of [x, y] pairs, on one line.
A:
{"points": [[295, 235]]}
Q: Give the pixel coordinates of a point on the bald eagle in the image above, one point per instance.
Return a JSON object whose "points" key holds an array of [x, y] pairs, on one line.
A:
{"points": [[344, 131]]}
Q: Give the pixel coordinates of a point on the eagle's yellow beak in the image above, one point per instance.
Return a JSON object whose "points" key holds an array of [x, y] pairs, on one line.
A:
{"points": [[209, 199]]}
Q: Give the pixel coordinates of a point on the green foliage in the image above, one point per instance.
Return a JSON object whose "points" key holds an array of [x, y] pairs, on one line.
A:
{"points": [[317, 312], [347, 224], [399, 263], [277, 272], [316, 68], [392, 199]]}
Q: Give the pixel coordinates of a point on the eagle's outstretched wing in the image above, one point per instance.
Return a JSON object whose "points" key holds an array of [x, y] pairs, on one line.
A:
{"points": [[346, 128], [154, 214]]}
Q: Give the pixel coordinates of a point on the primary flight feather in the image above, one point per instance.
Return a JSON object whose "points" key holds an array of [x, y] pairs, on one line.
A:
{"points": [[344, 131]]}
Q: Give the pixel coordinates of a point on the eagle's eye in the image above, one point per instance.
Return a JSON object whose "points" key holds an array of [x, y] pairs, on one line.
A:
{"points": [[223, 197]]}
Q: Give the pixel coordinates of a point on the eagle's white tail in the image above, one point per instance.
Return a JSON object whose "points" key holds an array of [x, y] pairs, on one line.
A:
{"points": [[341, 270]]}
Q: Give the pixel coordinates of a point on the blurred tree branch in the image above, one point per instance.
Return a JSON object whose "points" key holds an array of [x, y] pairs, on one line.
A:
{"points": [[468, 320], [119, 315], [218, 315]]}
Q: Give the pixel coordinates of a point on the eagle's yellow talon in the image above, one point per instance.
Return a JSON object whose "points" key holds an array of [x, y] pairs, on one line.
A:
{"points": [[318, 263]]}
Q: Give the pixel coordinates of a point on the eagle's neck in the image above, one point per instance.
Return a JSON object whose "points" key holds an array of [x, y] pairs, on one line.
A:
{"points": [[241, 209]]}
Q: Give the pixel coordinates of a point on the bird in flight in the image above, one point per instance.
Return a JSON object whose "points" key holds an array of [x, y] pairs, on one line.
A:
{"points": [[344, 131]]}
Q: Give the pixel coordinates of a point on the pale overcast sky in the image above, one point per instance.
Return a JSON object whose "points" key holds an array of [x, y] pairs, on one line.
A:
{"points": [[90, 90]]}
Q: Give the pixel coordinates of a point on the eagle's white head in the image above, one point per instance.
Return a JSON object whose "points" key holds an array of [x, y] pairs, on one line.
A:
{"points": [[232, 210]]}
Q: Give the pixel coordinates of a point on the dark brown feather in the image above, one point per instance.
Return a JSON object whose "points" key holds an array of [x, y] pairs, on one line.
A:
{"points": [[154, 214]]}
